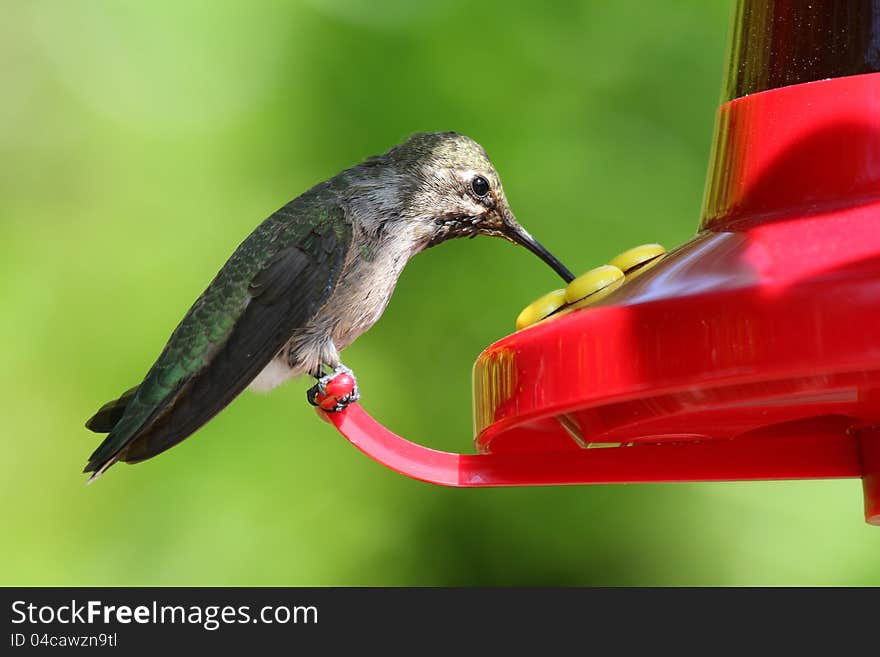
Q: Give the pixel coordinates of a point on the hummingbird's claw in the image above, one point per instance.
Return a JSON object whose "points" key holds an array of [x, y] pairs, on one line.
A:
{"points": [[335, 391]]}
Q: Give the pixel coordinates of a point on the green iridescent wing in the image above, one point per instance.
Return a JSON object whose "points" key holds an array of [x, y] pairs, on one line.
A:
{"points": [[274, 283]]}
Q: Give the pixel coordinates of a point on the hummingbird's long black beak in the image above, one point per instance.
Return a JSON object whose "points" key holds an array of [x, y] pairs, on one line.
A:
{"points": [[519, 235]]}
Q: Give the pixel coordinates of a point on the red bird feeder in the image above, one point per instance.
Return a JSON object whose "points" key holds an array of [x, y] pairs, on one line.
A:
{"points": [[750, 352]]}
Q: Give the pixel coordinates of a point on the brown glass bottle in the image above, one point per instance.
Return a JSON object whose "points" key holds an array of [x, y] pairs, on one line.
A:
{"points": [[776, 43]]}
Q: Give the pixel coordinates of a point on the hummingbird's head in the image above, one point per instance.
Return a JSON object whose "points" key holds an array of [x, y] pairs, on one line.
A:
{"points": [[454, 191]]}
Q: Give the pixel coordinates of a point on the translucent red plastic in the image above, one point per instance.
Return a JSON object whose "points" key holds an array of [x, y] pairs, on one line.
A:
{"points": [[750, 352]]}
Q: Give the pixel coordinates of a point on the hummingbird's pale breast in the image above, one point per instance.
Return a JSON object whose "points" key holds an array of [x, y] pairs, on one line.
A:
{"points": [[372, 268]]}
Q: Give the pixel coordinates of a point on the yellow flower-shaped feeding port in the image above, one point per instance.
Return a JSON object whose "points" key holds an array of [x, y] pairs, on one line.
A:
{"points": [[540, 308], [638, 259], [601, 280], [592, 286]]}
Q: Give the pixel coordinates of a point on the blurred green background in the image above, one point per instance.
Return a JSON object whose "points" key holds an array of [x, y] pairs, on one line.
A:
{"points": [[142, 141]]}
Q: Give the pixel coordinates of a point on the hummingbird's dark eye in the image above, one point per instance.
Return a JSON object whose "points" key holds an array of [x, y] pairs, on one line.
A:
{"points": [[480, 185]]}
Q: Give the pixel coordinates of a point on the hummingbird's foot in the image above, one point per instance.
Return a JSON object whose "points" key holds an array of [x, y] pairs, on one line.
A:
{"points": [[335, 391]]}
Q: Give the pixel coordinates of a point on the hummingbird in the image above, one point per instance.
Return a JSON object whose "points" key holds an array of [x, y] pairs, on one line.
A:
{"points": [[305, 284]]}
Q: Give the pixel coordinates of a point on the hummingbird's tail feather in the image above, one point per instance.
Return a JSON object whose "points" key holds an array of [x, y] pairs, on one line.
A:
{"points": [[138, 423], [109, 414], [97, 473], [148, 429]]}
